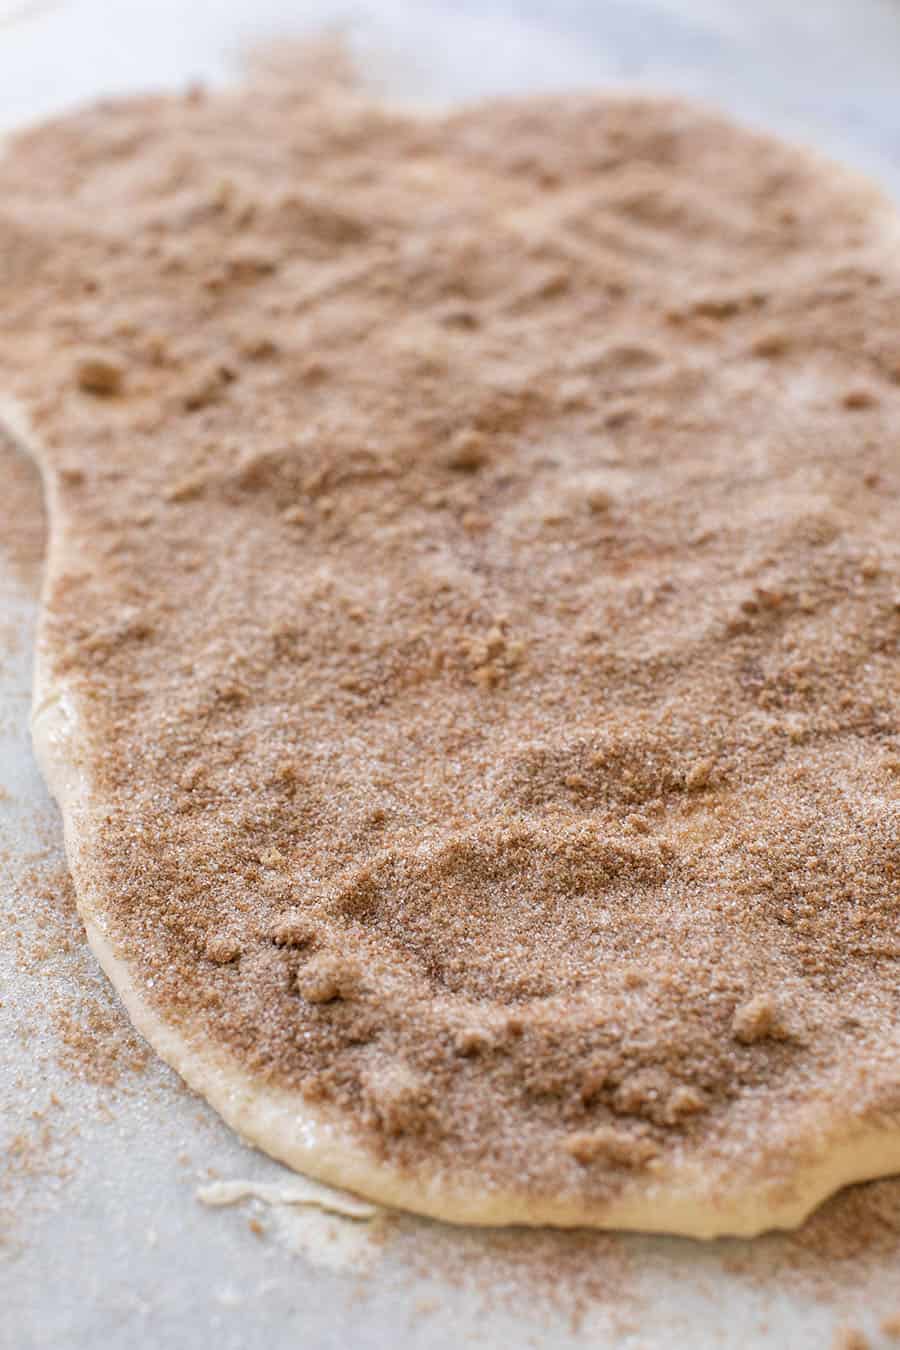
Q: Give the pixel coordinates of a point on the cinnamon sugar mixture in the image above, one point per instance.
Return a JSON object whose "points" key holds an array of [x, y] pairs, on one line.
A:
{"points": [[477, 575], [22, 529]]}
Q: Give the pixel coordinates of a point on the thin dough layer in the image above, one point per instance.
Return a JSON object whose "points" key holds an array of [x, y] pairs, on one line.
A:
{"points": [[469, 662]]}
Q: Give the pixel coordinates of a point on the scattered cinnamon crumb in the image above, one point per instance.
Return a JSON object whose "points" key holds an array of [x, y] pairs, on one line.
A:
{"points": [[771, 344], [22, 538], [96, 373], [856, 399], [598, 499], [467, 451]]}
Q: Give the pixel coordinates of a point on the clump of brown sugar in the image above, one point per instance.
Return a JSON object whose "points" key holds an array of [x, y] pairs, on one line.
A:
{"points": [[97, 373], [484, 685], [758, 1019], [611, 1147]]}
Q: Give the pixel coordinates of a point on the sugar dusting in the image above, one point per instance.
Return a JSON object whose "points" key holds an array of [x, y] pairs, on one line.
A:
{"points": [[855, 1234], [562, 886]]}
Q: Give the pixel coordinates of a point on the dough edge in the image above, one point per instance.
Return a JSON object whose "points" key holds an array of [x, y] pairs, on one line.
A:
{"points": [[687, 1202]]}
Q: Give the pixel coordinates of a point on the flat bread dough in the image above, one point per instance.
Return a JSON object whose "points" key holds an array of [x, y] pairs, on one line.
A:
{"points": [[468, 671]]}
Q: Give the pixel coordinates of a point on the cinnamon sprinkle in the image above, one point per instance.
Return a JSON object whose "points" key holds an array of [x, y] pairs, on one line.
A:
{"points": [[489, 697]]}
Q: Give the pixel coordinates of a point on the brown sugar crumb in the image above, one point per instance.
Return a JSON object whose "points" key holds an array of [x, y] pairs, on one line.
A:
{"points": [[204, 387], [611, 1146], [328, 978], [98, 373], [890, 1326], [470, 743], [294, 930], [186, 489], [222, 949], [472, 1041], [258, 346], [598, 500], [771, 344], [401, 1101], [467, 451], [858, 399], [699, 774], [757, 1020], [684, 1102]]}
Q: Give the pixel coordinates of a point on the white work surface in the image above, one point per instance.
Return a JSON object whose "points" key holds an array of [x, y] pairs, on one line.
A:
{"points": [[103, 1240]]}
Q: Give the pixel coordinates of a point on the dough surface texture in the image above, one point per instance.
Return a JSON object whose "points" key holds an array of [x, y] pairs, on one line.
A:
{"points": [[468, 670]]}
